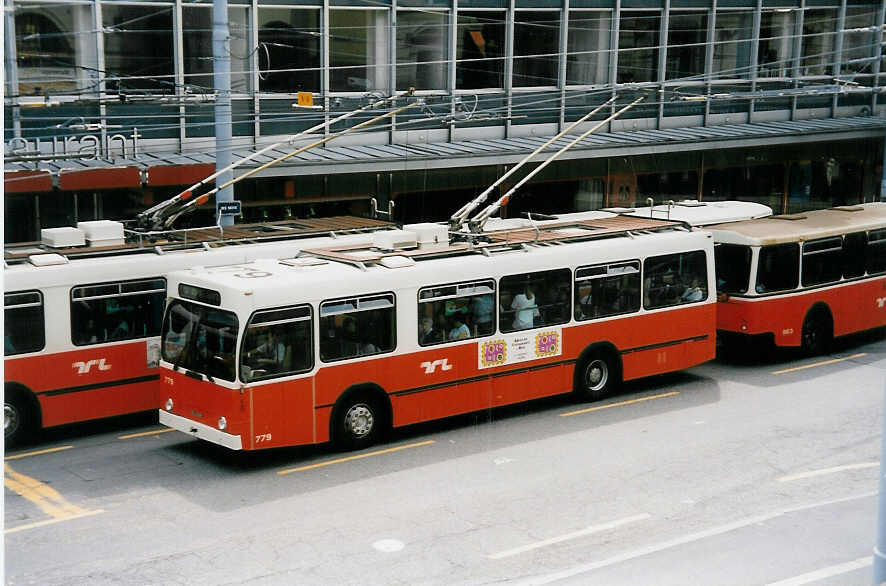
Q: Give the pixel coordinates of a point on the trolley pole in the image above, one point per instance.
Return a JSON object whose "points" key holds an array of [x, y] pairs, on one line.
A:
{"points": [[221, 79], [880, 547]]}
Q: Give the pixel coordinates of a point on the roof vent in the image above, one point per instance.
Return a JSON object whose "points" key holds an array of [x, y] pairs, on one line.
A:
{"points": [[102, 232], [394, 240], [62, 237], [47, 260], [396, 262], [430, 235]]}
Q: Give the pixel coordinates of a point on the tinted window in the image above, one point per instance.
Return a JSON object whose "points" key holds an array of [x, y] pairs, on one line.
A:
{"points": [[117, 311], [822, 261], [360, 326], [277, 343], [456, 312], [876, 256], [675, 279], [534, 300], [778, 268], [854, 254], [201, 339], [607, 290], [733, 267], [23, 323]]}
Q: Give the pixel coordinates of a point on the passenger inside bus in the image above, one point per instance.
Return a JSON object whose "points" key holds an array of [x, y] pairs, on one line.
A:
{"points": [[482, 307], [429, 334], [526, 309], [460, 330]]}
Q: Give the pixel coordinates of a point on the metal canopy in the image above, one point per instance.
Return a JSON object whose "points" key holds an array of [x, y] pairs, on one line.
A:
{"points": [[346, 158]]}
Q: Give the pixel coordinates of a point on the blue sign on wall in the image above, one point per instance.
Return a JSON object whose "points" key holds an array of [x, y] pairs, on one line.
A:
{"points": [[227, 208]]}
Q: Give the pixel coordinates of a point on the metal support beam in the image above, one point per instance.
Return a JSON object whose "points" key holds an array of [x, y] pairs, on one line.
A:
{"points": [[221, 79]]}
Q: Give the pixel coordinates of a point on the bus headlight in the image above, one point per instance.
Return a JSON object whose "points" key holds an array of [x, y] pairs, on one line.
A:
{"points": [[222, 423], [169, 404]]}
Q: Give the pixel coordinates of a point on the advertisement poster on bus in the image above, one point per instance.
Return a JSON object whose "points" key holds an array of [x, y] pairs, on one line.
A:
{"points": [[520, 347]]}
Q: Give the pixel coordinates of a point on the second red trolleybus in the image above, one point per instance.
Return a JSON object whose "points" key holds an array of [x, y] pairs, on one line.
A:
{"points": [[804, 278], [343, 343]]}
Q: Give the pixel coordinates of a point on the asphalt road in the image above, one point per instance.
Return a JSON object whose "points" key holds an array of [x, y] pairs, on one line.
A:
{"points": [[737, 472]]}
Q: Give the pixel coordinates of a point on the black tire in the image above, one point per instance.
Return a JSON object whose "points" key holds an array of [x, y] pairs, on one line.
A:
{"points": [[818, 332], [597, 376], [18, 417], [358, 421]]}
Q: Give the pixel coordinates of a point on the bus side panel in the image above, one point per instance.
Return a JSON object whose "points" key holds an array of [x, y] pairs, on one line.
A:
{"points": [[854, 306], [859, 306], [538, 382], [95, 382], [282, 414], [652, 343]]}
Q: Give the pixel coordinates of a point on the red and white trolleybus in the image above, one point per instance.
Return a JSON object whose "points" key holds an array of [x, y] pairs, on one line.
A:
{"points": [[342, 343], [82, 316], [804, 278]]}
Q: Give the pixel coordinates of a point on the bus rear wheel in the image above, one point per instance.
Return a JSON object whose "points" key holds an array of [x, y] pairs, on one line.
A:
{"points": [[18, 417], [357, 422], [818, 332], [597, 376]]}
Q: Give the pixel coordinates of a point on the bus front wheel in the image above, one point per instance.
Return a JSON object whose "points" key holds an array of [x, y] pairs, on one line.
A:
{"points": [[18, 416], [357, 422], [818, 332]]}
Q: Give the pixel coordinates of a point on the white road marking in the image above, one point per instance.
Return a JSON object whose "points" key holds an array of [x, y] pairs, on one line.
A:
{"points": [[655, 548], [824, 471], [388, 545], [575, 534], [828, 572]]}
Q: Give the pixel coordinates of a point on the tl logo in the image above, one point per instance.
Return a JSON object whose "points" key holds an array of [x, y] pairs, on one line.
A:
{"points": [[84, 367], [881, 302], [430, 367]]}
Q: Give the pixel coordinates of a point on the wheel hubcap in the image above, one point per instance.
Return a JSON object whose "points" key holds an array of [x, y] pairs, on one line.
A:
{"points": [[10, 419], [597, 375], [359, 420]]}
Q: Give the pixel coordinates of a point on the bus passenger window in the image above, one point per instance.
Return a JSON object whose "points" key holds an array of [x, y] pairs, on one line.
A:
{"points": [[605, 290], [533, 300], [456, 312], [822, 261], [277, 343], [876, 254], [733, 262], [675, 279], [23, 327], [854, 252], [117, 311], [357, 327], [778, 268]]}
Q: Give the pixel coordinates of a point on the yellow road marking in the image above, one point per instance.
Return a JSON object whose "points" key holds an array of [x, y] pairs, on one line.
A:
{"points": [[38, 452], [619, 404], [48, 499], [146, 433], [357, 457], [50, 522], [823, 363]]}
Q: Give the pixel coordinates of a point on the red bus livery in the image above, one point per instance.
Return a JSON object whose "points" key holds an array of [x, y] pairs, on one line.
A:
{"points": [[343, 343], [804, 278]]}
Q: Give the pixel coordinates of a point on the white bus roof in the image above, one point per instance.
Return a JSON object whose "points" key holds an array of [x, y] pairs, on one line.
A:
{"points": [[803, 226], [358, 270], [44, 268], [701, 213]]}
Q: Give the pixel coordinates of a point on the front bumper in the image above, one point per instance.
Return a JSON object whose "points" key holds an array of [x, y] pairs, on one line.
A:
{"points": [[200, 430]]}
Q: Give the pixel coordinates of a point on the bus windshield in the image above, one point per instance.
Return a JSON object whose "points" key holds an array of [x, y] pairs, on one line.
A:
{"points": [[733, 267], [201, 339]]}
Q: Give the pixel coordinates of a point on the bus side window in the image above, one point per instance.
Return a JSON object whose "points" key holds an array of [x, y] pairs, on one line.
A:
{"points": [[23, 323], [876, 254], [675, 279], [532, 300], [778, 268], [605, 290], [854, 254], [117, 311], [357, 327], [277, 343], [456, 312]]}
